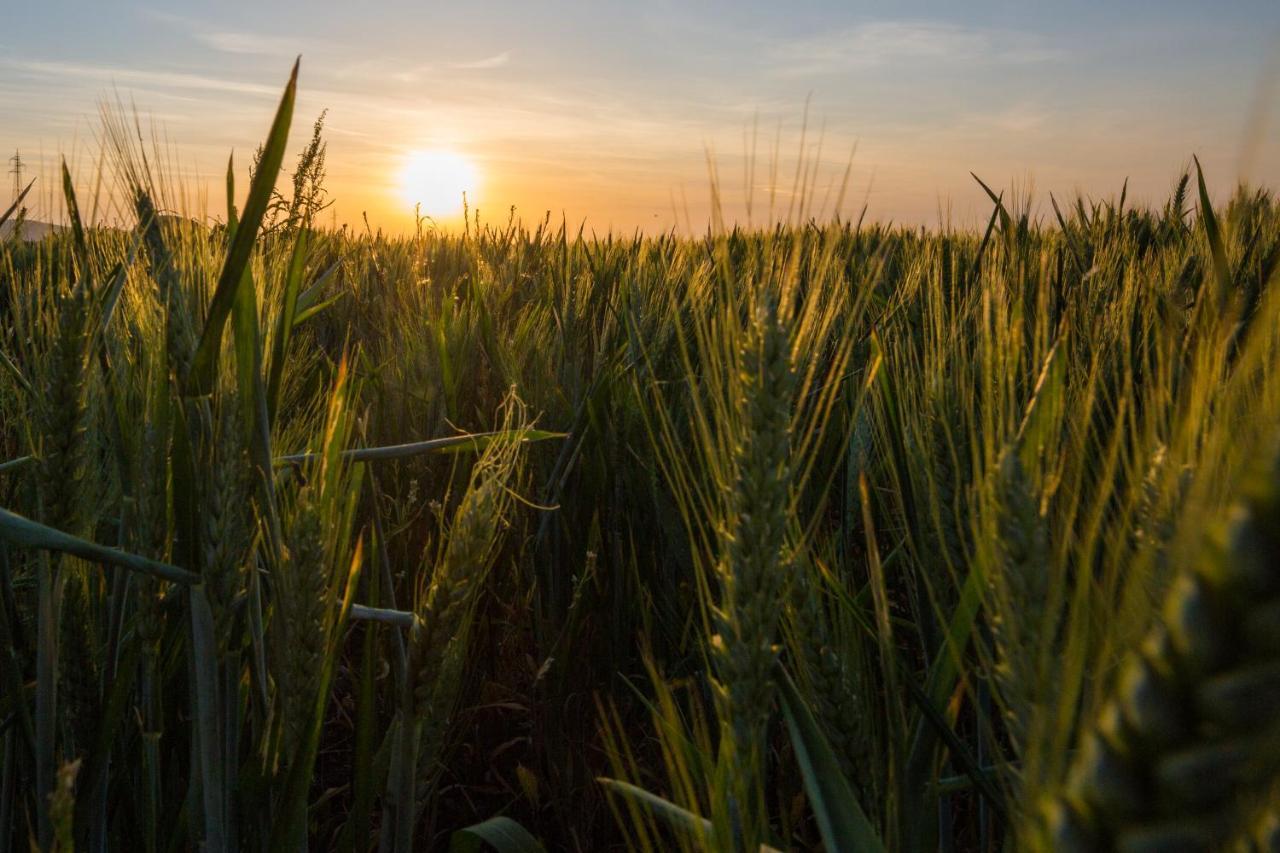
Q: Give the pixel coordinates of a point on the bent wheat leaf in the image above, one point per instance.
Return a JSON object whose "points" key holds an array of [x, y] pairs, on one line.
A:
{"points": [[26, 533], [501, 833]]}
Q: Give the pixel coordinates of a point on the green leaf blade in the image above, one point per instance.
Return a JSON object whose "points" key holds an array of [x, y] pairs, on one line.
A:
{"points": [[204, 366], [843, 824], [501, 833]]}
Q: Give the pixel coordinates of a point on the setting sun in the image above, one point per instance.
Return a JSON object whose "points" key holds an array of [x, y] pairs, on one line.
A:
{"points": [[436, 180]]}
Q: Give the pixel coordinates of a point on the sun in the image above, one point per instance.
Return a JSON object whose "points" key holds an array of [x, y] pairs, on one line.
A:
{"points": [[436, 180]]}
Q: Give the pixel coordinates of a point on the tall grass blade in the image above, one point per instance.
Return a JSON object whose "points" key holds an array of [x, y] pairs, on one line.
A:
{"points": [[73, 213], [208, 722], [1213, 233], [17, 202], [204, 366], [284, 323], [1006, 221]]}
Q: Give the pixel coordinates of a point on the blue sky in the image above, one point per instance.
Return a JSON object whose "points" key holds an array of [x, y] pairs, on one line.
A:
{"points": [[606, 111]]}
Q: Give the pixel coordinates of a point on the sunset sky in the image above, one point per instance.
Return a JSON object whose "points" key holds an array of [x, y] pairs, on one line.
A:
{"points": [[607, 111]]}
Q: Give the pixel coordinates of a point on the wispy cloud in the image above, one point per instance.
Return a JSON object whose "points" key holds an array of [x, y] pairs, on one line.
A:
{"points": [[252, 43], [140, 77], [382, 69], [1022, 118], [237, 42], [883, 43], [496, 61]]}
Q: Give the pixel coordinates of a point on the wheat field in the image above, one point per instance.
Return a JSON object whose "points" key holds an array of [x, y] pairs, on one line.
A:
{"points": [[828, 535]]}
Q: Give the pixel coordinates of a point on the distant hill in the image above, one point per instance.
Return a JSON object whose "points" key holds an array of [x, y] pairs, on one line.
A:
{"points": [[31, 230]]}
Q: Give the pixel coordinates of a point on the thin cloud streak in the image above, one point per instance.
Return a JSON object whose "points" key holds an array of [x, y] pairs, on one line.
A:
{"points": [[884, 43], [116, 74], [251, 44], [496, 61], [237, 42]]}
